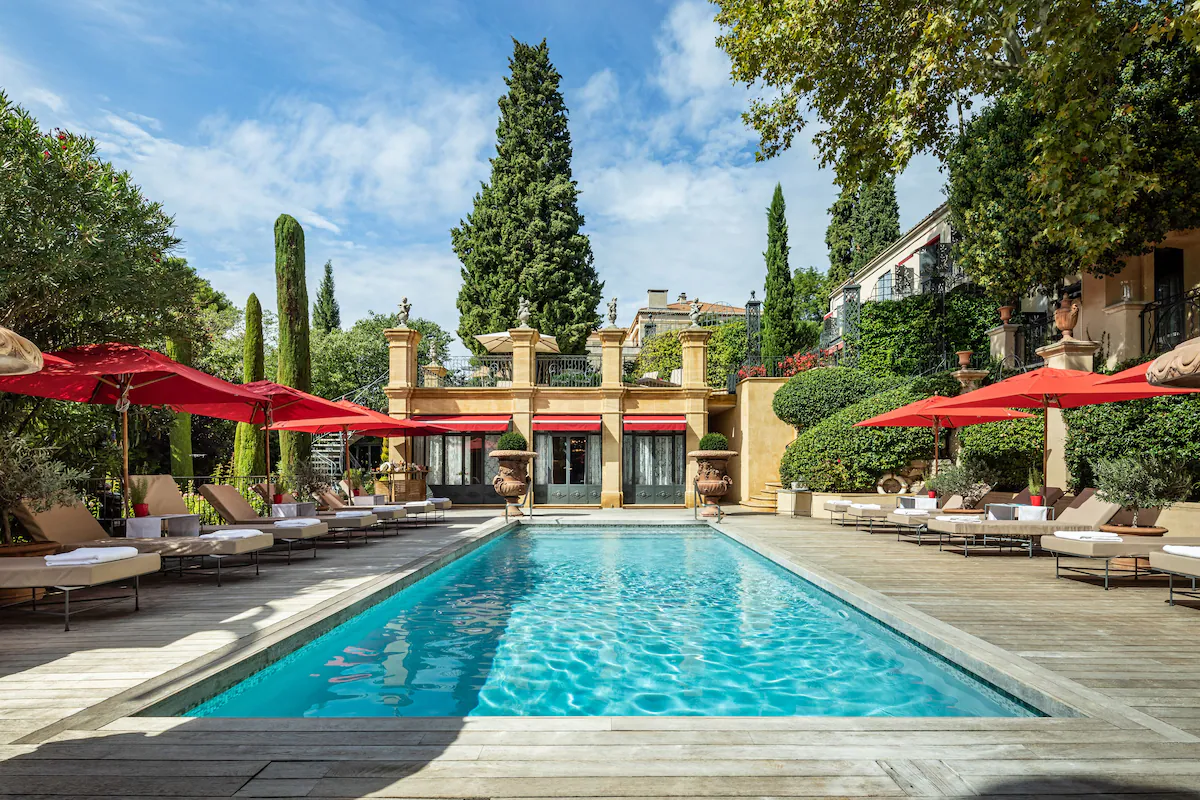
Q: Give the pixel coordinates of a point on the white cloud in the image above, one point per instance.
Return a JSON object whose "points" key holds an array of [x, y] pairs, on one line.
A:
{"points": [[600, 92]]}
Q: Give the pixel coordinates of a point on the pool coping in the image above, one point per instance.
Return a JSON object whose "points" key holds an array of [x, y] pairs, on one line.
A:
{"points": [[175, 691]]}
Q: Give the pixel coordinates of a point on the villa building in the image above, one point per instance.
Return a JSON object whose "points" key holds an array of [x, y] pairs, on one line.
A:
{"points": [[658, 316], [600, 440]]}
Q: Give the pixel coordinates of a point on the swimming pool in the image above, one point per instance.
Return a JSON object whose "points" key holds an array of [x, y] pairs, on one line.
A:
{"points": [[611, 621]]}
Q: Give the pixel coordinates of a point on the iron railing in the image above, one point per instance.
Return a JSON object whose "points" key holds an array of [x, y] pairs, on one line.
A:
{"points": [[568, 370], [468, 371], [102, 496], [1167, 322], [1035, 333]]}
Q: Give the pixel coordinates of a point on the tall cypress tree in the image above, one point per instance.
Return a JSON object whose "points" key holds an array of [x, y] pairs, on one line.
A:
{"points": [[839, 236], [249, 453], [779, 335], [876, 220], [295, 361], [327, 315], [180, 349], [523, 236]]}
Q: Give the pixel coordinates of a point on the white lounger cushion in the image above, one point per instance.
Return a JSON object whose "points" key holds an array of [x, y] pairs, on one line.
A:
{"points": [[929, 503], [1182, 550], [90, 555], [959, 518], [868, 506], [838, 503], [297, 522], [1088, 536], [420, 505], [232, 533], [351, 514], [912, 512]]}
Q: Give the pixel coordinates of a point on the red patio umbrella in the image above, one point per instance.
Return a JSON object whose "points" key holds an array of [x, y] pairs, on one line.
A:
{"points": [[120, 375], [932, 413], [1048, 387]]}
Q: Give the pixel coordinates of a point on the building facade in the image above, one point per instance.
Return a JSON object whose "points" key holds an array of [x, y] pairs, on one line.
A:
{"points": [[659, 315]]}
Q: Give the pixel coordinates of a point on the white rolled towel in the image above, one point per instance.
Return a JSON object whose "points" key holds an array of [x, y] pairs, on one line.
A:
{"points": [[1182, 550], [297, 522], [90, 555], [958, 518], [1088, 536], [232, 533], [837, 502], [912, 512], [928, 503], [867, 506], [1033, 513], [351, 514]]}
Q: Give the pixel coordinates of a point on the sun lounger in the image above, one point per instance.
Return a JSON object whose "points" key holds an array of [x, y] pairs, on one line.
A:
{"points": [[73, 526], [261, 490], [1137, 548], [869, 513], [387, 512], [1085, 513], [34, 574], [1176, 565], [236, 510]]}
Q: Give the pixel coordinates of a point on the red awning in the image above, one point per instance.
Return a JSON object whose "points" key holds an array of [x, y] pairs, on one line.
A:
{"points": [[653, 423], [934, 240], [469, 423], [584, 423]]}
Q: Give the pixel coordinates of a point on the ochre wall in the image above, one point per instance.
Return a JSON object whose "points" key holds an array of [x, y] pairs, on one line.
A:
{"points": [[755, 433]]}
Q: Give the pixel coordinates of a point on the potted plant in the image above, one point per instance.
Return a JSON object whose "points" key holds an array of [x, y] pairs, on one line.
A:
{"points": [[1035, 487], [512, 451], [138, 488], [354, 481], [712, 482], [30, 475], [971, 480], [1137, 483], [303, 480]]}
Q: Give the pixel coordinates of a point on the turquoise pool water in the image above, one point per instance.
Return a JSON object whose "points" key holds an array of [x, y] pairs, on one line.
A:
{"points": [[603, 621]]}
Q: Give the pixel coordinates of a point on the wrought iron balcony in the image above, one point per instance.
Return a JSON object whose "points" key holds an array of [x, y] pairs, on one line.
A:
{"points": [[567, 370], [1166, 323], [468, 371]]}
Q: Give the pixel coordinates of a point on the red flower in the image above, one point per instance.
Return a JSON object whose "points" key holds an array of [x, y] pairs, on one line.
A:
{"points": [[45, 154]]}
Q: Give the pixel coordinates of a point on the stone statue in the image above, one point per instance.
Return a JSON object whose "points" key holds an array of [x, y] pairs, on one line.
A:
{"points": [[523, 313], [694, 313], [405, 310], [612, 312]]}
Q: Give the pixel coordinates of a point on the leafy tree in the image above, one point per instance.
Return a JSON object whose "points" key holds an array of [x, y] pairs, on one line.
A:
{"points": [[524, 235], [180, 349], [249, 447], [1140, 482], [875, 222], [81, 250], [878, 100], [661, 353], [726, 352], [1009, 448], [34, 476], [779, 335], [811, 299], [839, 236], [295, 362], [326, 314]]}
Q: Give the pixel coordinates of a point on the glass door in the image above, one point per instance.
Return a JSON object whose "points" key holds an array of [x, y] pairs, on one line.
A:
{"points": [[654, 468], [568, 472]]}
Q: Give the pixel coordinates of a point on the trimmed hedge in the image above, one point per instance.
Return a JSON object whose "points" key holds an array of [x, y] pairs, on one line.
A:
{"points": [[812, 395], [834, 455], [1009, 449], [512, 440], [903, 336], [713, 441]]}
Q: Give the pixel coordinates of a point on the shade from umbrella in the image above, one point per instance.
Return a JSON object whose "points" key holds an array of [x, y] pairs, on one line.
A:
{"points": [[501, 342], [120, 375], [931, 413], [1047, 387]]}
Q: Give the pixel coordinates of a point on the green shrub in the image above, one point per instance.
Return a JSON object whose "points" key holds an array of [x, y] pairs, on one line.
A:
{"points": [[1010, 448], [726, 352], [1162, 427], [814, 394], [660, 353], [511, 440], [864, 454], [714, 441], [904, 336], [970, 479], [1138, 482]]}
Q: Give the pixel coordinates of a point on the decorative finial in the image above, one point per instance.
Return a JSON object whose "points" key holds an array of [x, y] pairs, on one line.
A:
{"points": [[523, 313], [612, 312], [694, 313], [751, 295], [405, 310]]}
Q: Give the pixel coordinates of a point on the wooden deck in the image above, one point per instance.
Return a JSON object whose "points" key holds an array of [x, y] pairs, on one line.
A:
{"points": [[1130, 655]]}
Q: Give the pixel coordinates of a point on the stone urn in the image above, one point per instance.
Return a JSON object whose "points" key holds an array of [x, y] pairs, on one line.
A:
{"points": [[1066, 318], [513, 480], [1006, 314], [712, 482], [964, 358]]}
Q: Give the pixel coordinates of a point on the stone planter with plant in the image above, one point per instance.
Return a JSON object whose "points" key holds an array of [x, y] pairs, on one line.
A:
{"points": [[1140, 483], [970, 479], [512, 482], [303, 480], [353, 479], [712, 481]]}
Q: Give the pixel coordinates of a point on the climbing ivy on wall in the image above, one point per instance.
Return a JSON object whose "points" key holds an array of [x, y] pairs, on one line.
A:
{"points": [[905, 336]]}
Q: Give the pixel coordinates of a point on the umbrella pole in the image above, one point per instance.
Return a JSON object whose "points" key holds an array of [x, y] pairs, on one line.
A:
{"points": [[267, 433], [125, 460], [935, 446], [345, 451], [1045, 444]]}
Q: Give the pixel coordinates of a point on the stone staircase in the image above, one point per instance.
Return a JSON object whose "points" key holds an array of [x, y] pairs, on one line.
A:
{"points": [[765, 500]]}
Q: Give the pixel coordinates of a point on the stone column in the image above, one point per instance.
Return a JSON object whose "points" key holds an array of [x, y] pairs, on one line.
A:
{"points": [[403, 378], [1004, 343], [612, 396], [524, 382], [1124, 327], [694, 342], [1063, 354]]}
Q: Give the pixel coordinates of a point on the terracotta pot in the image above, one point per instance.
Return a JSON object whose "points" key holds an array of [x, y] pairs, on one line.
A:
{"points": [[1131, 530], [964, 358], [1065, 319], [1036, 500], [932, 494], [1006, 314], [513, 481], [141, 509], [712, 482], [358, 492]]}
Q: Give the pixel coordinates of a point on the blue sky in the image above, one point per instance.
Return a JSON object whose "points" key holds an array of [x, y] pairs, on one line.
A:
{"points": [[372, 123]]}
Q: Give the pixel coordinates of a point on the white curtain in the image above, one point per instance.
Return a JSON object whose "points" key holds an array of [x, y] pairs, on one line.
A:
{"points": [[435, 447], [644, 447], [663, 450], [593, 460], [454, 460], [541, 465]]}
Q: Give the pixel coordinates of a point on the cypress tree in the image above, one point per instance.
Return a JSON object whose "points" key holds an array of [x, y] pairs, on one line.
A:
{"points": [[779, 336], [295, 362], [249, 453], [839, 236], [876, 220], [327, 315], [180, 349], [524, 236]]}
